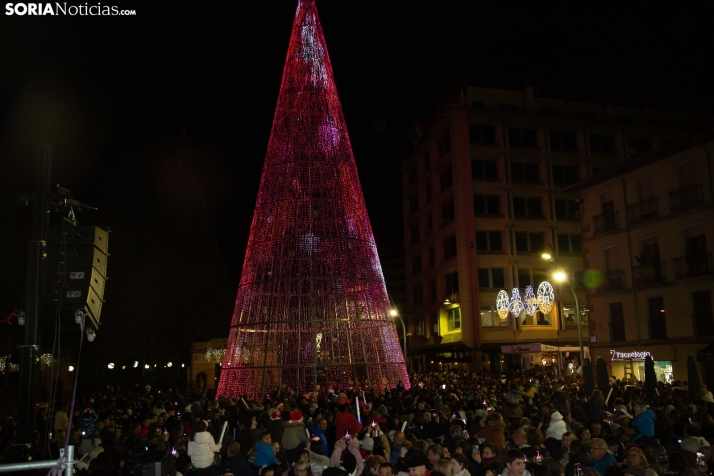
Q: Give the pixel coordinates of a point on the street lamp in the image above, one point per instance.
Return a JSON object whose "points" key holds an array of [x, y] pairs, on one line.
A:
{"points": [[561, 277], [395, 314]]}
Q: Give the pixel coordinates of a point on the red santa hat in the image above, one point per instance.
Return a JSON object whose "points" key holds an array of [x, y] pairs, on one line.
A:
{"points": [[275, 415], [295, 416]]}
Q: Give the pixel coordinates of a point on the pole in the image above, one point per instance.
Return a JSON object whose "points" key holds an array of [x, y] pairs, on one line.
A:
{"points": [[404, 333], [580, 327], [29, 352]]}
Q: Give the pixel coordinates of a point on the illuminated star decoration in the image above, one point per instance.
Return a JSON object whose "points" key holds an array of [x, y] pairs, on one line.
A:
{"points": [[546, 297], [503, 302]]}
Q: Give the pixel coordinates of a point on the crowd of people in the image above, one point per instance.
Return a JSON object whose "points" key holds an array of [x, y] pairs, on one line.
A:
{"points": [[447, 424]]}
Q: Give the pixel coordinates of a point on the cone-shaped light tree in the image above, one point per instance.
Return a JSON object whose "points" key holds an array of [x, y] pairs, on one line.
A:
{"points": [[312, 310]]}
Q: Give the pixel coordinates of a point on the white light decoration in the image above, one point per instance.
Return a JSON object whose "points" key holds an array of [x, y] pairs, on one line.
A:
{"points": [[46, 359], [502, 304], [71, 368], [3, 363], [110, 365], [546, 297], [516, 306], [170, 364], [136, 364], [530, 301], [146, 366], [215, 354]]}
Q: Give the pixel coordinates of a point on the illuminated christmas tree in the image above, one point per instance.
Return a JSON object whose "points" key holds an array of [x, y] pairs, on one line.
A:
{"points": [[312, 310]]}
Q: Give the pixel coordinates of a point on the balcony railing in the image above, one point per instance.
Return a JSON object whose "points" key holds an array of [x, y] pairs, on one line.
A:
{"points": [[607, 221], [645, 274], [612, 280], [687, 197], [693, 265], [642, 210]]}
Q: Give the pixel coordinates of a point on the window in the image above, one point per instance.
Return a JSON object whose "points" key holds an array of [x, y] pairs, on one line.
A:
{"points": [[452, 284], [414, 231], [524, 278], [602, 144], [431, 257], [418, 296], [448, 212], [487, 205], [638, 145], [482, 134], [432, 287], [416, 264], [524, 172], [567, 209], [527, 242], [491, 278], [412, 174], [420, 329], [490, 318], [657, 322], [450, 247], [522, 138], [565, 174], [569, 244], [453, 319], [617, 322], [445, 145], [447, 178], [527, 207], [489, 241], [703, 317], [569, 316], [563, 140], [413, 205], [427, 192], [484, 169]]}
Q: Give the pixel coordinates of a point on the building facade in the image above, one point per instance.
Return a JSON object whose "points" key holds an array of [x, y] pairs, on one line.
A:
{"points": [[647, 227], [482, 201]]}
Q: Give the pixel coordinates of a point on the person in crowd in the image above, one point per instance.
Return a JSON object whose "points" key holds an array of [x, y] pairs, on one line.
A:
{"points": [[202, 446], [515, 464], [264, 454], [459, 465], [601, 459], [234, 462]]}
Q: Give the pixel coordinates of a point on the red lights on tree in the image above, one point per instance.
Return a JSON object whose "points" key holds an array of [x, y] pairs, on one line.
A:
{"points": [[312, 310]]}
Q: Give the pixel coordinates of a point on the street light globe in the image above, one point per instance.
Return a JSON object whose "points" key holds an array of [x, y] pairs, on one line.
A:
{"points": [[146, 366], [71, 368], [169, 364], [546, 256], [393, 312], [560, 276], [111, 365]]}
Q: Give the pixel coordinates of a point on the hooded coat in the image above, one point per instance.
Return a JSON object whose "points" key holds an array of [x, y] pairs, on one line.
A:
{"points": [[556, 427], [201, 449]]}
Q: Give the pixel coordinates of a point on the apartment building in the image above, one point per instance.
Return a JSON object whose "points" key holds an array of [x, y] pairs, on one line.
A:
{"points": [[483, 199], [645, 226]]}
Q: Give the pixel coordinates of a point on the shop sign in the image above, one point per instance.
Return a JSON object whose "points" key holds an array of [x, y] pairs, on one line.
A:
{"points": [[616, 356], [520, 349]]}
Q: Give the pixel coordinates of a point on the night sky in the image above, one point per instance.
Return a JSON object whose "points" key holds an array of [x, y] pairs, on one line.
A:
{"points": [[125, 99]]}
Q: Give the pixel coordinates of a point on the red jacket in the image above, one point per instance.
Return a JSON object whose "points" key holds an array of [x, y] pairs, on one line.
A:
{"points": [[346, 421]]}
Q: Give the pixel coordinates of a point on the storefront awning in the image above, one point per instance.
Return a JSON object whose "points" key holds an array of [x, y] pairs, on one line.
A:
{"points": [[536, 348]]}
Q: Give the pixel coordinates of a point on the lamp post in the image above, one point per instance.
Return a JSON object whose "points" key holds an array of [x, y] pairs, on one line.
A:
{"points": [[395, 314], [561, 277]]}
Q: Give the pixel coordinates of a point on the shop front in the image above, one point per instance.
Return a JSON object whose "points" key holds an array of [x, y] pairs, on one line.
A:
{"points": [[619, 360], [563, 360]]}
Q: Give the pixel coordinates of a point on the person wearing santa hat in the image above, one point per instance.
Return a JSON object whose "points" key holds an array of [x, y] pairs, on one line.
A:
{"points": [[294, 435]]}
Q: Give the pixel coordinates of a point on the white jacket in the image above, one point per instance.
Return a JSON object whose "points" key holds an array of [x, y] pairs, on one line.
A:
{"points": [[556, 429], [201, 449]]}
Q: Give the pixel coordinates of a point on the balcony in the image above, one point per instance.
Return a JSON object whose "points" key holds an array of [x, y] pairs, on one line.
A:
{"points": [[690, 196], [607, 221], [646, 274], [612, 281], [642, 210], [693, 265]]}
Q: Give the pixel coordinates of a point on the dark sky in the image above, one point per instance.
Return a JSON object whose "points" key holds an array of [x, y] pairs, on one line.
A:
{"points": [[114, 95]]}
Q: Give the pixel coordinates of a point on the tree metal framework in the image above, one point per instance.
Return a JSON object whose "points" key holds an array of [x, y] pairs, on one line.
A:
{"points": [[312, 310]]}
